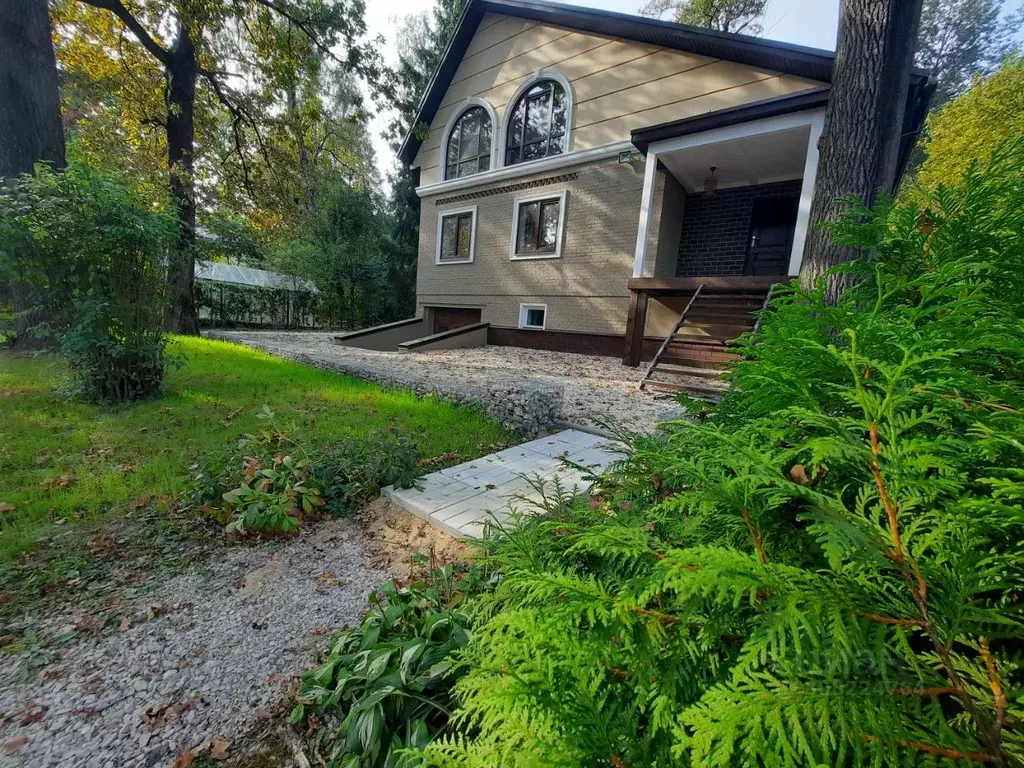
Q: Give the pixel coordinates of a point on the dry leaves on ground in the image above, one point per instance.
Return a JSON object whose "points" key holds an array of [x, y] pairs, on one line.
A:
{"points": [[12, 746]]}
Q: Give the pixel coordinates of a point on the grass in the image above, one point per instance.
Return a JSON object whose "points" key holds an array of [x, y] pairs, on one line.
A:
{"points": [[67, 463]]}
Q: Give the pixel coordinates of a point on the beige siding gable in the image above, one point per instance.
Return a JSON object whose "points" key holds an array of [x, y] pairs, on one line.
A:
{"points": [[618, 85]]}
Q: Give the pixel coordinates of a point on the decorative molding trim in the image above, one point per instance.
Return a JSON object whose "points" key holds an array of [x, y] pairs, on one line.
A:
{"points": [[579, 157], [533, 184]]}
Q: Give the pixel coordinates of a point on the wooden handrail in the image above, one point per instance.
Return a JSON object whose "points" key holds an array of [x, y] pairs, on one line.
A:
{"points": [[671, 335]]}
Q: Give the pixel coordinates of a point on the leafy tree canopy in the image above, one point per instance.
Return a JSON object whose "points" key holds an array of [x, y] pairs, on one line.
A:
{"points": [[959, 39], [740, 16], [971, 126]]}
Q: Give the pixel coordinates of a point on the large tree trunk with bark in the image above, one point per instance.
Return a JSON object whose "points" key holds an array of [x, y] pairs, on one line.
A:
{"points": [[31, 130], [182, 74], [859, 146], [30, 126]]}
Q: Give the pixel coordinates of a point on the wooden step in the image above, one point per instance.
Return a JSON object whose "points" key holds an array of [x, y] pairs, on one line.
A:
{"points": [[713, 316], [723, 331], [696, 390], [666, 366], [689, 361]]}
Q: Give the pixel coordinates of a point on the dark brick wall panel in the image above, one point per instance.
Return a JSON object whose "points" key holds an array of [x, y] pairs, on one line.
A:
{"points": [[716, 230]]}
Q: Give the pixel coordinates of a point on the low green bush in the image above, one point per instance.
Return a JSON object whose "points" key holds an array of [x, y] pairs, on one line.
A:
{"points": [[85, 257], [825, 569], [384, 690], [270, 482]]}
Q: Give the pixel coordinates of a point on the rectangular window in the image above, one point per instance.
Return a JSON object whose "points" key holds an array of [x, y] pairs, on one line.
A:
{"points": [[537, 227], [533, 317], [456, 236]]}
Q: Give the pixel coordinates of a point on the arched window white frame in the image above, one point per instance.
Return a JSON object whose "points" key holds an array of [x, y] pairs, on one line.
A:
{"points": [[453, 121], [537, 78]]}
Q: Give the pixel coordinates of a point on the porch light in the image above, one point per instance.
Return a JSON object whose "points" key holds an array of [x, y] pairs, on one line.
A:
{"points": [[711, 183]]}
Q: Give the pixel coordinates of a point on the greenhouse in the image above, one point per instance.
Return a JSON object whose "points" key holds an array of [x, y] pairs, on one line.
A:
{"points": [[232, 295]]}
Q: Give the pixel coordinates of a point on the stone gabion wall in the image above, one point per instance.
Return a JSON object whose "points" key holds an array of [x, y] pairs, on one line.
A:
{"points": [[527, 407]]}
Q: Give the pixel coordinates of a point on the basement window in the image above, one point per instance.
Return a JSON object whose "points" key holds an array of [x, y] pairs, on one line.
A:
{"points": [[533, 317]]}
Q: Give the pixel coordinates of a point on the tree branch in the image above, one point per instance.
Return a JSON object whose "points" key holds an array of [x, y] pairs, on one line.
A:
{"points": [[118, 8], [301, 24]]}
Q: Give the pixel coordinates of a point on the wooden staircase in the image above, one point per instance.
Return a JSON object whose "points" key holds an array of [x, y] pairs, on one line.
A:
{"points": [[696, 353]]}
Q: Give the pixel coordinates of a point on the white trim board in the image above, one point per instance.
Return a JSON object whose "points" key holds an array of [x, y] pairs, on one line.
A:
{"points": [[545, 164], [441, 216]]}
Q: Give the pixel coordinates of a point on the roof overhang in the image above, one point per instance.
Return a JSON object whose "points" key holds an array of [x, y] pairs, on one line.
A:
{"points": [[918, 98], [814, 98], [812, 63]]}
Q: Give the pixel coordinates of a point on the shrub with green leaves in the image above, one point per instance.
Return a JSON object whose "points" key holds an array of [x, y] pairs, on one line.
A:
{"points": [[86, 257], [825, 569], [384, 689], [270, 482]]}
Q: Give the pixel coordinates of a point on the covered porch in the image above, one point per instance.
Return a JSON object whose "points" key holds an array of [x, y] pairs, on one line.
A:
{"points": [[724, 214]]}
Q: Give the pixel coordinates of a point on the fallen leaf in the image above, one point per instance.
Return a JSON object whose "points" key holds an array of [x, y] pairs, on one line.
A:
{"points": [[42, 460], [124, 469], [125, 625], [12, 746], [98, 452], [219, 750], [157, 610], [49, 675], [5, 507], [33, 716], [185, 759], [7, 640], [63, 481], [799, 475], [142, 430], [6, 597], [88, 624]]}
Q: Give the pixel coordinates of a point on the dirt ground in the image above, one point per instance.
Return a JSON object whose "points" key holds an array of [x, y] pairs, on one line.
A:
{"points": [[404, 544]]}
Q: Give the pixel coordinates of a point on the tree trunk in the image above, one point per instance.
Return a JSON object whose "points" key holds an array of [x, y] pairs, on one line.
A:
{"points": [[305, 168], [182, 73], [859, 146], [31, 130], [30, 126]]}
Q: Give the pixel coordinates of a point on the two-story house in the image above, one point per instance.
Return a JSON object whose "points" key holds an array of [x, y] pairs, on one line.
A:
{"points": [[585, 171]]}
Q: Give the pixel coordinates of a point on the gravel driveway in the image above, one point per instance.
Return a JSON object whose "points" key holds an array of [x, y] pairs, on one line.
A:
{"points": [[592, 386], [204, 658]]}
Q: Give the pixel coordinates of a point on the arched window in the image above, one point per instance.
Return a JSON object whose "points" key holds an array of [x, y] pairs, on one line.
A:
{"points": [[469, 144], [539, 124]]}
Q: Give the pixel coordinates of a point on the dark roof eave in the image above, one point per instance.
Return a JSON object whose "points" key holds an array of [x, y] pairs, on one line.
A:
{"points": [[813, 98]]}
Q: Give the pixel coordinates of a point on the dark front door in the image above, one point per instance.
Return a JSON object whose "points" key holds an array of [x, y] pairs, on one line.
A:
{"points": [[448, 318], [772, 224]]}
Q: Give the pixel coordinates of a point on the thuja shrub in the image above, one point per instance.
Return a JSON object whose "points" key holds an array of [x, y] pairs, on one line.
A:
{"points": [[88, 257], [826, 568]]}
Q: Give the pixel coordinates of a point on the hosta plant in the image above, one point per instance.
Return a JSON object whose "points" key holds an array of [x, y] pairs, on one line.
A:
{"points": [[384, 690]]}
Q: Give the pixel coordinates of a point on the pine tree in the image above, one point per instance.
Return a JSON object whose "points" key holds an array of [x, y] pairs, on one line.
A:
{"points": [[826, 568]]}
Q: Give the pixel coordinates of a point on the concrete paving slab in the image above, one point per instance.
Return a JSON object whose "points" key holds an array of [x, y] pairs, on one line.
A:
{"points": [[461, 499]]}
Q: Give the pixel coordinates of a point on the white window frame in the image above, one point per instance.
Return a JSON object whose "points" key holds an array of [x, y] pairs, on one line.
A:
{"points": [[524, 312], [441, 216], [570, 115], [562, 196], [497, 150]]}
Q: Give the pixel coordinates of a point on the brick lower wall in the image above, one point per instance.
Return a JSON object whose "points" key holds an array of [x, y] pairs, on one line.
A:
{"points": [[716, 230]]}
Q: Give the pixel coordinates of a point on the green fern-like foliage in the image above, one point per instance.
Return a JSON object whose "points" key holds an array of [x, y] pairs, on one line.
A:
{"points": [[826, 568]]}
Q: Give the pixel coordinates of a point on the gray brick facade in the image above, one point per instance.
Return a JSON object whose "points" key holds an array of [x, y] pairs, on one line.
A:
{"points": [[716, 230]]}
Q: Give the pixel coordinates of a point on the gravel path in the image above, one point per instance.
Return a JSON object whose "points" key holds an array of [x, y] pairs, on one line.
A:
{"points": [[592, 386], [207, 657]]}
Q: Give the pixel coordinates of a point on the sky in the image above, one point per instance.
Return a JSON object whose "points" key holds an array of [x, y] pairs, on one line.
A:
{"points": [[804, 22]]}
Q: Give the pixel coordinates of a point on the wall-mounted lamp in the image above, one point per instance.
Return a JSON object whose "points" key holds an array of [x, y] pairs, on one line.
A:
{"points": [[711, 182], [628, 156]]}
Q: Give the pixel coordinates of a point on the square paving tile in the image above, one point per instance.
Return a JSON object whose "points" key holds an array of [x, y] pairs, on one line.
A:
{"points": [[461, 499]]}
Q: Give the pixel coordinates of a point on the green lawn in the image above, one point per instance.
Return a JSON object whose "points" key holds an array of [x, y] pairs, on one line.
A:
{"points": [[62, 461]]}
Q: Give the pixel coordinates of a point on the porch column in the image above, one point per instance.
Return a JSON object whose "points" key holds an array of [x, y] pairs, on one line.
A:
{"points": [[636, 321], [803, 216], [646, 206]]}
